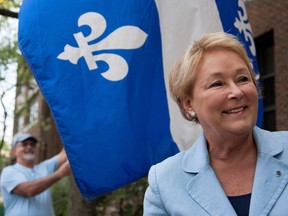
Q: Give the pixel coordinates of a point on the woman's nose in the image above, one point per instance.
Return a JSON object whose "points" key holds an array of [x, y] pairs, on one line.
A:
{"points": [[235, 92]]}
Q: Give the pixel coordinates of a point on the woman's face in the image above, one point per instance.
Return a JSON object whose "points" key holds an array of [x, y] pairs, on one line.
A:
{"points": [[224, 96]]}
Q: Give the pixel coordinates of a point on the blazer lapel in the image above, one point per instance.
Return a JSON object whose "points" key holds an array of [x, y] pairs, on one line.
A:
{"points": [[206, 190], [271, 175], [204, 186], [270, 180]]}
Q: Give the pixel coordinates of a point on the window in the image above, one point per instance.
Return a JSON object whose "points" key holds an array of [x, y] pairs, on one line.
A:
{"points": [[34, 110], [265, 56], [20, 123]]}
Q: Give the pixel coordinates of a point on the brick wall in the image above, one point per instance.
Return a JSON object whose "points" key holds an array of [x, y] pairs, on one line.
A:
{"points": [[264, 16]]}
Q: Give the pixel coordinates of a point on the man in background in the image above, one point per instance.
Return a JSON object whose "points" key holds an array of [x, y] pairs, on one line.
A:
{"points": [[25, 185]]}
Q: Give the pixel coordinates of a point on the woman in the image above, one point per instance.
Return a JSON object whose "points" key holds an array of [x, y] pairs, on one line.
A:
{"points": [[234, 167]]}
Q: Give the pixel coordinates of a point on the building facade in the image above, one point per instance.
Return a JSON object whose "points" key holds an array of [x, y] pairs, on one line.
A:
{"points": [[269, 23], [32, 114]]}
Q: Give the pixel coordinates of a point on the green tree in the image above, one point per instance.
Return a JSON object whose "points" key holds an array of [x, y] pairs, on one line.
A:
{"points": [[4, 155], [9, 54]]}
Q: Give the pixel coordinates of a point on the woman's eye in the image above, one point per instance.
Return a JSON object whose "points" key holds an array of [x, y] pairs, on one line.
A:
{"points": [[216, 84], [243, 79]]}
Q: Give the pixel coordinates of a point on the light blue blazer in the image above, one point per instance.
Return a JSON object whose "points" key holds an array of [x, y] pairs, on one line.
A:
{"points": [[186, 185]]}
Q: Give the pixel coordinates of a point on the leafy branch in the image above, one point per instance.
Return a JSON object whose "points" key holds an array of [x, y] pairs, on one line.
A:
{"points": [[5, 116], [8, 13]]}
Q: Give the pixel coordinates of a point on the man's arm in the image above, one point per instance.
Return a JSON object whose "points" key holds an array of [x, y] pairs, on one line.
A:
{"points": [[61, 157], [33, 188]]}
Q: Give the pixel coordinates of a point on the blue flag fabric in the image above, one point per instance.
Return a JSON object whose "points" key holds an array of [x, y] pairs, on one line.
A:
{"points": [[103, 67], [241, 28]]}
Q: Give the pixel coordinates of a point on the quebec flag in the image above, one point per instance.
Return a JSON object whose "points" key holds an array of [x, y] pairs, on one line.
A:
{"points": [[103, 67]]}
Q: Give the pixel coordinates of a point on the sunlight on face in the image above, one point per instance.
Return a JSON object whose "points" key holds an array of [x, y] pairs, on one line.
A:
{"points": [[25, 152], [224, 95]]}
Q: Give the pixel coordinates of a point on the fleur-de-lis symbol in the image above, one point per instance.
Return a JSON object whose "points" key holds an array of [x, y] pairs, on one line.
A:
{"points": [[125, 37], [242, 24]]}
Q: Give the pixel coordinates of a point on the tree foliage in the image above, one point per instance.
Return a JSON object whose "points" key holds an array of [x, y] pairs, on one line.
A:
{"points": [[4, 156], [10, 8], [9, 55]]}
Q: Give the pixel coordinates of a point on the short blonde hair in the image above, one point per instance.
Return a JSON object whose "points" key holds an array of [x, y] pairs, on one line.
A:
{"points": [[183, 73]]}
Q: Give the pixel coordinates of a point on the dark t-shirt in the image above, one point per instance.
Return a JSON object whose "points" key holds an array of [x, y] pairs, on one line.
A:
{"points": [[241, 204]]}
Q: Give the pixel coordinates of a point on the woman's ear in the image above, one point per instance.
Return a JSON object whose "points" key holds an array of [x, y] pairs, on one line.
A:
{"points": [[186, 104]]}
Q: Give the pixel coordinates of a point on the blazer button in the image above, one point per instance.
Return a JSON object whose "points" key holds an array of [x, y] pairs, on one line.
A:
{"points": [[278, 173]]}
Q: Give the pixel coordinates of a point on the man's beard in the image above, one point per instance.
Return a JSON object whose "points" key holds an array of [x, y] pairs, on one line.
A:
{"points": [[30, 158]]}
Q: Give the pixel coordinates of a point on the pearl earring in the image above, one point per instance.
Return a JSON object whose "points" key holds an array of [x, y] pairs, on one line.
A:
{"points": [[193, 114]]}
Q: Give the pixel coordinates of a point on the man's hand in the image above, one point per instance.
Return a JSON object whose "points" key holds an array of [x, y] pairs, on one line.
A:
{"points": [[64, 169]]}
